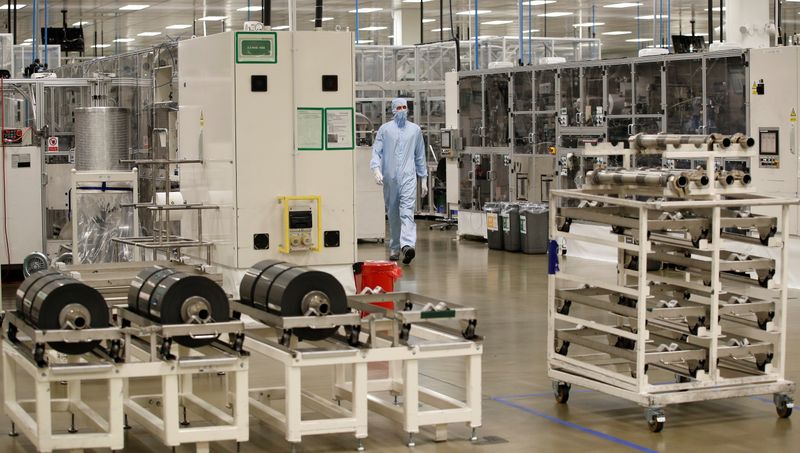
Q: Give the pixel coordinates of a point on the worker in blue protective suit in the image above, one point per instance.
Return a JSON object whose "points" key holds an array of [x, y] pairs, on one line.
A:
{"points": [[398, 159]]}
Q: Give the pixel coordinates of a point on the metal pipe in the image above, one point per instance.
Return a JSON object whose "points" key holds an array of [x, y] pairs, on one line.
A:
{"points": [[421, 27], [742, 177], [721, 23], [743, 140], [725, 178], [721, 140], [266, 13], [640, 141], [644, 178]]}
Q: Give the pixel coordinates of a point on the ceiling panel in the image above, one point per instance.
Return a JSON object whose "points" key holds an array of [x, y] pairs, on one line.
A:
{"points": [[109, 22]]}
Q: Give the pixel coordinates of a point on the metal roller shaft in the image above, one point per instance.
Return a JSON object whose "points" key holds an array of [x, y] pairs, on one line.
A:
{"points": [[643, 178], [640, 141], [743, 140]]}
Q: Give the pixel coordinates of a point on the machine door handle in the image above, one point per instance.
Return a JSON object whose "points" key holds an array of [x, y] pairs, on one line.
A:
{"points": [[630, 129]]}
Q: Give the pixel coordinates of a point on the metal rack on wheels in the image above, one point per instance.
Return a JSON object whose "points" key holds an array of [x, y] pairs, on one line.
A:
{"points": [[686, 303]]}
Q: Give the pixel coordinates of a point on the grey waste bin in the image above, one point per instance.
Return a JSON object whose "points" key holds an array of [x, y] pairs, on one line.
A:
{"points": [[494, 225], [511, 235], [534, 228]]}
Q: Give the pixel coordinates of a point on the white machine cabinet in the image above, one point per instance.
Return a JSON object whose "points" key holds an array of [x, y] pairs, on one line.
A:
{"points": [[23, 170], [270, 114]]}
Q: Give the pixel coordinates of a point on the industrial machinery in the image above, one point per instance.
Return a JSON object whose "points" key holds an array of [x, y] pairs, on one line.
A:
{"points": [[288, 209], [700, 292]]}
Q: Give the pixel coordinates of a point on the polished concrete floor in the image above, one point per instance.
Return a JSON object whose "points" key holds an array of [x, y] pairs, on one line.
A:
{"points": [[519, 411]]}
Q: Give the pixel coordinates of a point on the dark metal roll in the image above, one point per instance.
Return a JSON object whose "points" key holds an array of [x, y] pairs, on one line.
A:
{"points": [[171, 297], [248, 284], [289, 290], [50, 300]]}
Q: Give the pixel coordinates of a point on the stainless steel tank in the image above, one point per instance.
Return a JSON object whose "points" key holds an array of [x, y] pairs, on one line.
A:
{"points": [[102, 138]]}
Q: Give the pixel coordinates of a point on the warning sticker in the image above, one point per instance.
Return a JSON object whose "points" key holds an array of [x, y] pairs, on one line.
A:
{"points": [[491, 221], [755, 88], [52, 144], [793, 116]]}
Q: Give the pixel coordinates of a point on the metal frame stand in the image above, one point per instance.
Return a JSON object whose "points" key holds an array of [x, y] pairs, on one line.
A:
{"points": [[165, 413], [34, 417]]}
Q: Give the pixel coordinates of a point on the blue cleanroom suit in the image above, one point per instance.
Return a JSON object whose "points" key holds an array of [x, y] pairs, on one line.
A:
{"points": [[399, 156]]}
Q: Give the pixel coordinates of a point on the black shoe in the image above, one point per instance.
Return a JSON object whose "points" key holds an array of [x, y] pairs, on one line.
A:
{"points": [[408, 254], [395, 256]]}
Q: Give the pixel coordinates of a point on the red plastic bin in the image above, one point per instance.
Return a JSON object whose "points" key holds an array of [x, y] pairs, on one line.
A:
{"points": [[376, 274]]}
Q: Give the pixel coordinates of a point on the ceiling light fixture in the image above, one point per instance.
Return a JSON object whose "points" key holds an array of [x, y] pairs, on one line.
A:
{"points": [[555, 14], [324, 19], [250, 8], [436, 30], [124, 40], [281, 27], [133, 7], [372, 28], [365, 41], [539, 2], [100, 46], [639, 40], [178, 27], [497, 22], [588, 24], [19, 6], [149, 33], [472, 12], [78, 24], [427, 21], [617, 33], [365, 10], [212, 18], [623, 5]]}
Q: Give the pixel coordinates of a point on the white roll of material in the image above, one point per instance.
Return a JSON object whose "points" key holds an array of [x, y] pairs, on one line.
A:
{"points": [[175, 199]]}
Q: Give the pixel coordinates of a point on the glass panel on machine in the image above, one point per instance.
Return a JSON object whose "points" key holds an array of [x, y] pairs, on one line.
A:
{"points": [[545, 133], [470, 110], [726, 95], [523, 133], [570, 95], [620, 90], [496, 127], [685, 97], [545, 82], [523, 91], [619, 129], [500, 173], [593, 113], [648, 88]]}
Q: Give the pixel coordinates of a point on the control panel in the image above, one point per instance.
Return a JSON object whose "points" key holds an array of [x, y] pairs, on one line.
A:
{"points": [[302, 221], [769, 148], [17, 136]]}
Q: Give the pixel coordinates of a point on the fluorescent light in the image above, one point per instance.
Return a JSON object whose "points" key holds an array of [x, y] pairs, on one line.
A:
{"points": [[365, 10], [26, 44], [716, 8], [324, 19], [124, 40], [250, 8], [488, 37], [617, 33], [134, 7], [472, 12], [540, 2], [427, 21], [588, 24], [78, 24], [497, 22], [639, 40], [372, 28], [19, 6], [651, 17], [178, 27], [100, 46], [364, 41], [213, 18], [441, 29], [29, 40], [416, 1], [555, 14], [623, 5], [281, 27], [149, 33]]}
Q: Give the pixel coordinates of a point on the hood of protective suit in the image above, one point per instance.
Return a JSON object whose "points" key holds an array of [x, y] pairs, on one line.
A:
{"points": [[401, 116]]}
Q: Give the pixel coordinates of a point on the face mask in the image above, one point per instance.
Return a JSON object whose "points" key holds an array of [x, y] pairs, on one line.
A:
{"points": [[400, 117]]}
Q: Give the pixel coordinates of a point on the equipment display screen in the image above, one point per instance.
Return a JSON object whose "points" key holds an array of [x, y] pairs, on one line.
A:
{"points": [[256, 47], [768, 142]]}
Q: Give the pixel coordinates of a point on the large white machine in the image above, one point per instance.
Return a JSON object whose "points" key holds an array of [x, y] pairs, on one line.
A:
{"points": [[774, 104], [20, 197], [270, 115]]}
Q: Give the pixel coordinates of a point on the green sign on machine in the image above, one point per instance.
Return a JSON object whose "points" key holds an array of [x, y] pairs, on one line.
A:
{"points": [[256, 47]]}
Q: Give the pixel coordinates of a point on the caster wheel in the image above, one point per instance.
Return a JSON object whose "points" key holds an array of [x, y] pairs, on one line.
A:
{"points": [[783, 405], [561, 391], [655, 425]]}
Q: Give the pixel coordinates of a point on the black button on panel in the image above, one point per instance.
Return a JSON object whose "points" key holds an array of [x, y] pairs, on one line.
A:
{"points": [[331, 238], [261, 241], [258, 83]]}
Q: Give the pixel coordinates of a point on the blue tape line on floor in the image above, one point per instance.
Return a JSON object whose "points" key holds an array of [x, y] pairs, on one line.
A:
{"points": [[584, 429]]}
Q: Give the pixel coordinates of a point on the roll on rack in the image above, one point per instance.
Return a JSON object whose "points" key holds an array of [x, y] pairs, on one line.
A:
{"points": [[288, 290], [50, 300], [168, 296]]}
